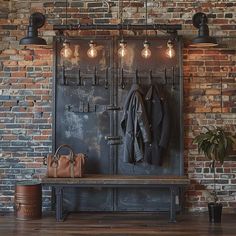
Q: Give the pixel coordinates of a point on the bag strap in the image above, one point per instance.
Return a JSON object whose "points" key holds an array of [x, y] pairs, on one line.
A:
{"points": [[72, 154]]}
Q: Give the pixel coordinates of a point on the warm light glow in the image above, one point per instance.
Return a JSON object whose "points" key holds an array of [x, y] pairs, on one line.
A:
{"points": [[122, 52], [146, 52], [66, 52], [170, 52], [76, 52], [92, 52]]}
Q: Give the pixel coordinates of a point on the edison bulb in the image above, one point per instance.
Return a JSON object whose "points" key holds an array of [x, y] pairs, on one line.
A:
{"points": [[170, 52], [122, 52], [66, 52], [146, 52], [92, 52], [76, 53]]}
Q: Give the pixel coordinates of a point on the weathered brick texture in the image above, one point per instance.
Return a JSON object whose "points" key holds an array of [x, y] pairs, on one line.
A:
{"points": [[26, 81]]}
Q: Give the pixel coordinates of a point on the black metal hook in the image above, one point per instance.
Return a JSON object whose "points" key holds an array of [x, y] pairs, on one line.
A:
{"points": [[165, 76], [106, 79], [150, 76], [122, 84], [95, 79], [63, 75], [136, 78], [173, 79], [79, 81]]}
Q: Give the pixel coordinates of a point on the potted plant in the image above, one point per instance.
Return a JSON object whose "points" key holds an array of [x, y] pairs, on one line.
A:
{"points": [[215, 144]]}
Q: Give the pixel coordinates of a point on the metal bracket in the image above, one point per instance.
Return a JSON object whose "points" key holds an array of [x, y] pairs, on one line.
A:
{"points": [[197, 19], [85, 107], [114, 140], [113, 108]]}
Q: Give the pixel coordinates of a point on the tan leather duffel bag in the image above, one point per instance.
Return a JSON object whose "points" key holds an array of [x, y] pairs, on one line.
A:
{"points": [[65, 166]]}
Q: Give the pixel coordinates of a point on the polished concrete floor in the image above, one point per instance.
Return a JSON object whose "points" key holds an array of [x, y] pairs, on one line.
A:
{"points": [[117, 224]]}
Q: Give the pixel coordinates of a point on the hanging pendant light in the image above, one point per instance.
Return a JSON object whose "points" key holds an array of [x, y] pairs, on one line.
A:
{"points": [[122, 51], [66, 51], [170, 51], [92, 52], [146, 52]]}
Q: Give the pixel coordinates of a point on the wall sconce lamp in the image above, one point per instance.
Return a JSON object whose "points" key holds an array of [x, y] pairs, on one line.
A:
{"points": [[36, 21], [203, 39]]}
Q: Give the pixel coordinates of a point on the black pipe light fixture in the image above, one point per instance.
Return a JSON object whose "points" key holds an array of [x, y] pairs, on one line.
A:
{"points": [[66, 51], [203, 39], [36, 21], [92, 51], [146, 52], [122, 51]]}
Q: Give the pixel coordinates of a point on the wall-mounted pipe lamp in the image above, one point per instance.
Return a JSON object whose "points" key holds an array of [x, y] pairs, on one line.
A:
{"points": [[36, 21], [203, 39]]}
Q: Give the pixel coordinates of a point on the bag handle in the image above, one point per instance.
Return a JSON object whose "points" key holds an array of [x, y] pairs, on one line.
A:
{"points": [[72, 154]]}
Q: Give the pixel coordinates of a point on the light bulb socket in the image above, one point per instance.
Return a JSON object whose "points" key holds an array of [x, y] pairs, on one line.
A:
{"points": [[92, 43], [123, 43], [170, 43], [146, 43]]}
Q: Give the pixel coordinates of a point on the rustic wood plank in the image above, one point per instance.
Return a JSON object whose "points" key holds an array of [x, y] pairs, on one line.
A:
{"points": [[120, 180], [122, 224]]}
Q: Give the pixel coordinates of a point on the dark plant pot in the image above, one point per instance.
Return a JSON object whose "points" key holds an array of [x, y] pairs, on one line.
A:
{"points": [[215, 210]]}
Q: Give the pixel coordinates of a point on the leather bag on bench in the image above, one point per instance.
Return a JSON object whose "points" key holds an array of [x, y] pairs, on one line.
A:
{"points": [[65, 166]]}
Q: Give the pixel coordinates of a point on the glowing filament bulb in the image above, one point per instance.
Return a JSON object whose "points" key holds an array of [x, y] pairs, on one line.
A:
{"points": [[122, 52], [92, 52], [76, 52], [146, 52], [170, 52], [66, 52]]}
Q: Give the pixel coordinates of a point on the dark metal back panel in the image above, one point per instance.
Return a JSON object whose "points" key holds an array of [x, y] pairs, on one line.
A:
{"points": [[85, 90], [166, 74]]}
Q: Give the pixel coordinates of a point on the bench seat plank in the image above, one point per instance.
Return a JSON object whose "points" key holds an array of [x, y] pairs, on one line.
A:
{"points": [[119, 180]]}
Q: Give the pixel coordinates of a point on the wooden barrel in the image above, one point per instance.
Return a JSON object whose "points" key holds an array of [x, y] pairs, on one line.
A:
{"points": [[28, 200]]}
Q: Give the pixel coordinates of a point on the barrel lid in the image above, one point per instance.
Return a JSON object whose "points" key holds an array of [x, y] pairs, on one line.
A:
{"points": [[28, 182]]}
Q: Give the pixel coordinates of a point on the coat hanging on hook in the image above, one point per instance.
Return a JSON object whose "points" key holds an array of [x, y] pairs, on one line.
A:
{"points": [[134, 125], [159, 122]]}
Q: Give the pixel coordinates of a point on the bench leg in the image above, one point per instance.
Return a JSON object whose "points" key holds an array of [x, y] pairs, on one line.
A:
{"points": [[59, 203], [173, 192]]}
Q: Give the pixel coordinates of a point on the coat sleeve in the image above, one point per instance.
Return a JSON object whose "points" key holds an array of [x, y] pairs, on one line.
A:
{"points": [[165, 132], [142, 119]]}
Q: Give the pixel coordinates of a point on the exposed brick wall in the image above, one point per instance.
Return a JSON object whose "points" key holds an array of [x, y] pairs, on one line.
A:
{"points": [[26, 78]]}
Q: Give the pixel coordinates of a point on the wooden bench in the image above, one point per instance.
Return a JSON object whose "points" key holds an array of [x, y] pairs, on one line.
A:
{"points": [[173, 183]]}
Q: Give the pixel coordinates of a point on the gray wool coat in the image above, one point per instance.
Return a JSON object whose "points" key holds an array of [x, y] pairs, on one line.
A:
{"points": [[159, 121], [134, 125]]}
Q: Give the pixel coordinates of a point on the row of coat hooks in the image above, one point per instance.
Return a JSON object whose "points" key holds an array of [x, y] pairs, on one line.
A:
{"points": [[151, 78], [78, 80]]}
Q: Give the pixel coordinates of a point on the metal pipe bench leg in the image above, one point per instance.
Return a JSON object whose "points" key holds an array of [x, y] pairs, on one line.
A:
{"points": [[173, 192], [59, 203]]}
